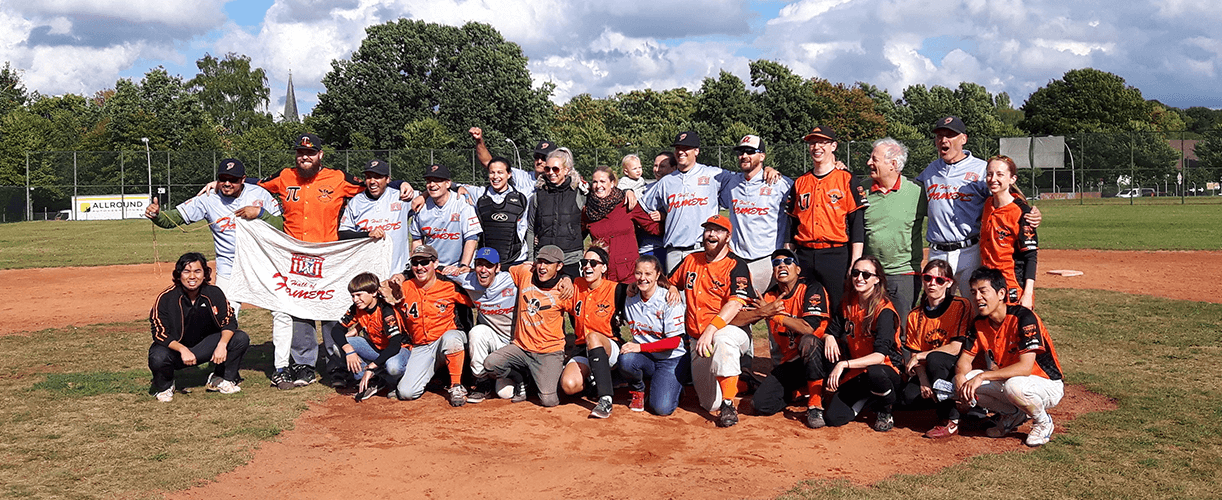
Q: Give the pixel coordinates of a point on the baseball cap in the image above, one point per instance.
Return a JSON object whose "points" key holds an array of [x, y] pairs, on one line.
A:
{"points": [[489, 254], [424, 251], [689, 139], [545, 147], [952, 123], [720, 221], [784, 252], [377, 166], [231, 166], [821, 132], [751, 142], [308, 141], [437, 171], [550, 253]]}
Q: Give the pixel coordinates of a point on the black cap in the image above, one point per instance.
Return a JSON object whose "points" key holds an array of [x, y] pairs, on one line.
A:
{"points": [[821, 132], [689, 139], [231, 166], [437, 172], [377, 166], [784, 252], [952, 123], [545, 147], [308, 141]]}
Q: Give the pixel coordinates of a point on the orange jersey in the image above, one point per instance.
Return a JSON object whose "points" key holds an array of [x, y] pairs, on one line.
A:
{"points": [[378, 325], [1005, 238], [540, 314], [929, 330], [808, 302], [1021, 332], [430, 312], [822, 207], [594, 310], [862, 341], [312, 206], [707, 287]]}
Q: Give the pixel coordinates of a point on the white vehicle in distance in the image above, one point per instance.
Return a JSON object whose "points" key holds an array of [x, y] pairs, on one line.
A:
{"points": [[1135, 193]]}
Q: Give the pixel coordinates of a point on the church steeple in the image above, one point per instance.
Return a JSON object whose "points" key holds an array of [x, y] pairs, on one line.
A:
{"points": [[290, 103]]}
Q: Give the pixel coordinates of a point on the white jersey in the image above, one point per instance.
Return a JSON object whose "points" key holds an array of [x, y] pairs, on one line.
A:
{"points": [[474, 193], [688, 199], [957, 193], [495, 303], [446, 228], [218, 210], [523, 181], [366, 214], [757, 212], [655, 320]]}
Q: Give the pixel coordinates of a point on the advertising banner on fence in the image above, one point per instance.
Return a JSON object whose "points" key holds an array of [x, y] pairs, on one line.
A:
{"points": [[109, 207], [275, 271]]}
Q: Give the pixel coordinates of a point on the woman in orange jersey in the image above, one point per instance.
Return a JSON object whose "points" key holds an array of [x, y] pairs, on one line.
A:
{"points": [[933, 335], [1007, 241], [596, 327], [865, 375]]}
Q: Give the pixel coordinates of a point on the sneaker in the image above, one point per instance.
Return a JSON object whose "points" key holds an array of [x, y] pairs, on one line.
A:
{"points": [[226, 387], [519, 393], [458, 395], [638, 401], [282, 381], [884, 422], [341, 380], [303, 375], [947, 429], [481, 391], [1041, 432], [393, 395], [602, 409], [814, 418], [728, 416], [212, 382], [167, 395], [371, 390], [1004, 424]]}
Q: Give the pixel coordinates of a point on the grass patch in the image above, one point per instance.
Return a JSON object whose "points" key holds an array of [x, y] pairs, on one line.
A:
{"points": [[77, 385], [97, 243], [1149, 224]]}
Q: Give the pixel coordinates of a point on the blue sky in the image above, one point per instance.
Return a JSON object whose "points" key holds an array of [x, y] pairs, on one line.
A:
{"points": [[1171, 50]]}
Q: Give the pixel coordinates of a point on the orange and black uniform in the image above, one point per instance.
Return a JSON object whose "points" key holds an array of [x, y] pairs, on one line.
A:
{"points": [[877, 384], [381, 326], [1021, 332], [597, 310], [538, 336], [708, 286], [1009, 244], [196, 324], [795, 372], [431, 312], [312, 206], [926, 330], [825, 219]]}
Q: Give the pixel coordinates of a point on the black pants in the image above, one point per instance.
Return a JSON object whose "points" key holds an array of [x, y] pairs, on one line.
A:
{"points": [[877, 387], [791, 376], [163, 360], [828, 266], [938, 365]]}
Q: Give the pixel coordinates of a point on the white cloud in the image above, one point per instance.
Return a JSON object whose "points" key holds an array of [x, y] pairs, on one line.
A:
{"points": [[170, 12]]}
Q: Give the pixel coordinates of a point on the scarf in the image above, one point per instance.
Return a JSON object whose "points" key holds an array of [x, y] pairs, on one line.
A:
{"points": [[597, 208]]}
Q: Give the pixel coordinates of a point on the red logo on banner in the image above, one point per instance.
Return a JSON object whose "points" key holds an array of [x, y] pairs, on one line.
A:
{"points": [[309, 266]]}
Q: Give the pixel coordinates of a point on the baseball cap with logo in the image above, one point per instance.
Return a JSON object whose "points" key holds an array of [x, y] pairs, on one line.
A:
{"points": [[719, 221], [308, 141], [231, 166], [545, 147], [489, 254], [424, 251], [437, 172], [821, 132], [952, 123], [688, 139], [377, 166], [550, 253], [751, 142]]}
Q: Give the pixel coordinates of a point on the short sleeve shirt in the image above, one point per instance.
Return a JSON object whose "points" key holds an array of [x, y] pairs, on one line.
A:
{"points": [[757, 212], [686, 197], [956, 194], [540, 312], [926, 330], [803, 301], [218, 210], [655, 320], [446, 228], [708, 286], [364, 213], [312, 206], [432, 311], [1020, 332]]}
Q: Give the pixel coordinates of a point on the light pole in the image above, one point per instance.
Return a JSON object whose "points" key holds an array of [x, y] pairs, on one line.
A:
{"points": [[148, 158], [516, 156]]}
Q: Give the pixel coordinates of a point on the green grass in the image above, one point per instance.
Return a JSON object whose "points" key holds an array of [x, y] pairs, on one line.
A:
{"points": [[97, 243], [1146, 225]]}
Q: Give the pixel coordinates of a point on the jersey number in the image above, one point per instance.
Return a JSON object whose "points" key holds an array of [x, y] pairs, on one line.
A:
{"points": [[691, 281], [577, 308], [413, 312], [804, 201]]}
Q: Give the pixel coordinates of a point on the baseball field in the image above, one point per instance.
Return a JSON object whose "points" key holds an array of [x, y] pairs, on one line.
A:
{"points": [[1138, 335]]}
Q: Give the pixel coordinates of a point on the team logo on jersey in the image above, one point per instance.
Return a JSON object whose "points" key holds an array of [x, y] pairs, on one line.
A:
{"points": [[702, 180], [533, 307], [325, 194], [309, 266], [816, 303], [740, 284], [257, 203], [508, 292], [937, 337], [1028, 232], [766, 191], [441, 306], [971, 177], [500, 217], [834, 196], [396, 206], [1002, 233], [454, 217]]}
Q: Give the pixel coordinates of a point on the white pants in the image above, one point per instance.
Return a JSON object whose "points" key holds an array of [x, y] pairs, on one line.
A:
{"points": [[282, 338], [1030, 394], [675, 257], [482, 341], [222, 282], [729, 345], [964, 261], [422, 362], [761, 274]]}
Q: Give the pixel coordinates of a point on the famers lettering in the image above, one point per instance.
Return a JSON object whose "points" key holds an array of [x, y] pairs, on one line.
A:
{"points": [[369, 225], [299, 293], [741, 208], [945, 192], [439, 233], [685, 200]]}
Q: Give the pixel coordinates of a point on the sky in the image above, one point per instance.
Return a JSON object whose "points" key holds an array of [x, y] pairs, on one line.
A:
{"points": [[1170, 50]]}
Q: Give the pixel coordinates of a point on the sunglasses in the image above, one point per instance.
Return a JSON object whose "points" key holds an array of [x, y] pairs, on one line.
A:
{"points": [[540, 157], [590, 262], [229, 179], [746, 151], [865, 275], [422, 262], [783, 261], [937, 280], [551, 169]]}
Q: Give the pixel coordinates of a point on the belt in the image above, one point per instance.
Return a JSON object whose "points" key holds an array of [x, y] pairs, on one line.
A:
{"points": [[820, 245], [689, 247], [955, 245]]}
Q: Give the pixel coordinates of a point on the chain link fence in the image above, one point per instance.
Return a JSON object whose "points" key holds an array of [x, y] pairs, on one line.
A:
{"points": [[1137, 167]]}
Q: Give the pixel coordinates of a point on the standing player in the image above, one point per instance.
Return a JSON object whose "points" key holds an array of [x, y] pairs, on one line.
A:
{"points": [[656, 350], [446, 223], [716, 284], [502, 213], [652, 244], [436, 311], [232, 198], [379, 213], [933, 336], [757, 211], [1024, 378], [1009, 243], [523, 181]]}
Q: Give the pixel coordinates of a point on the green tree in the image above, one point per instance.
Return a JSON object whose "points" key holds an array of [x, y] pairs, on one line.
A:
{"points": [[232, 92], [406, 71], [1084, 100], [1209, 156], [12, 91], [726, 106]]}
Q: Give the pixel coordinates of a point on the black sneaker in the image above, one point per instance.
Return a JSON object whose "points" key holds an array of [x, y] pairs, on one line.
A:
{"points": [[602, 409], [482, 391], [728, 416], [519, 393], [371, 390], [303, 375], [282, 381], [341, 380], [814, 418], [884, 421]]}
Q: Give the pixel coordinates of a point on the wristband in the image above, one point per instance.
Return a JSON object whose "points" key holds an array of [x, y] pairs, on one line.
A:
{"points": [[349, 353], [718, 322]]}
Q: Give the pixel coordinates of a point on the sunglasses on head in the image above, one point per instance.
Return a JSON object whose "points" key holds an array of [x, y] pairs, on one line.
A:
{"points": [[421, 262], [590, 262], [937, 280], [865, 275], [782, 261]]}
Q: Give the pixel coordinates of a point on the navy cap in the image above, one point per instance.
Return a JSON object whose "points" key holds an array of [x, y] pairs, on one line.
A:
{"points": [[689, 139], [308, 141], [952, 123], [545, 147], [377, 166], [784, 252], [231, 166], [489, 254], [437, 172]]}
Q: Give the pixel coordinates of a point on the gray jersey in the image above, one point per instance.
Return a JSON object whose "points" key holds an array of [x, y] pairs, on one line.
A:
{"points": [[956, 195], [495, 303], [366, 214], [446, 228], [757, 212], [218, 210], [688, 199]]}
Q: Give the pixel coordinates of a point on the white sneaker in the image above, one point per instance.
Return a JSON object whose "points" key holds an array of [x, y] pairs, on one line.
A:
{"points": [[227, 387], [167, 395], [1041, 432]]}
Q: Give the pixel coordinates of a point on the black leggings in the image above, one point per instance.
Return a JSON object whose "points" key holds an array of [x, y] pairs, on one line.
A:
{"points": [[163, 360], [877, 388], [791, 376], [938, 365]]}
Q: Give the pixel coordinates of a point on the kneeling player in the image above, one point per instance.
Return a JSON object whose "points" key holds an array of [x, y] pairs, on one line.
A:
{"points": [[371, 346], [596, 330], [656, 350], [1025, 379], [934, 336], [432, 305]]}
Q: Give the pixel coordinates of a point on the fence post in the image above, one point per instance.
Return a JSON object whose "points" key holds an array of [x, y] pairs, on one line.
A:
{"points": [[168, 183], [74, 181], [122, 192], [29, 203], [1132, 167]]}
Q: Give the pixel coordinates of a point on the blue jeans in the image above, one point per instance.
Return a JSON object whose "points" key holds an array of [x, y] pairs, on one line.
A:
{"points": [[365, 351], [664, 387]]}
